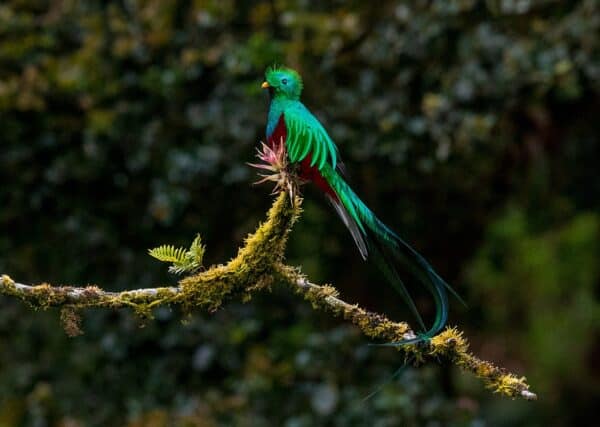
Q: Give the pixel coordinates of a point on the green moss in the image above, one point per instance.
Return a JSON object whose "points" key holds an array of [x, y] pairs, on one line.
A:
{"points": [[44, 296], [253, 267], [317, 295], [509, 385], [449, 343], [485, 370], [375, 325], [8, 285]]}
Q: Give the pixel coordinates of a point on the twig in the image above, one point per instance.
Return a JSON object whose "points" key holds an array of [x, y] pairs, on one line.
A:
{"points": [[449, 344]]}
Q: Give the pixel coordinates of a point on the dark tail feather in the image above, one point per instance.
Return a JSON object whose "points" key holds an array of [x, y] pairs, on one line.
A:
{"points": [[365, 242], [420, 269], [386, 265], [388, 250], [350, 223]]}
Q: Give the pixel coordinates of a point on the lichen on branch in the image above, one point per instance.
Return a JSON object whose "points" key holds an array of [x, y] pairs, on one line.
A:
{"points": [[259, 265]]}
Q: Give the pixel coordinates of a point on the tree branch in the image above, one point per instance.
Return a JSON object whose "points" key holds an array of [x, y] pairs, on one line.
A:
{"points": [[259, 265]]}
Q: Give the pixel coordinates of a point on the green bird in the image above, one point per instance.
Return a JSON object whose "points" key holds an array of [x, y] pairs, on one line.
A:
{"points": [[308, 147]]}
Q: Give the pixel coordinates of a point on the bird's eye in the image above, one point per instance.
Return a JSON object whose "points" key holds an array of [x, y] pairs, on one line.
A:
{"points": [[284, 81]]}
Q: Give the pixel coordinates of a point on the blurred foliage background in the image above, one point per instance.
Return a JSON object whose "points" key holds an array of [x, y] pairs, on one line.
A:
{"points": [[471, 127]]}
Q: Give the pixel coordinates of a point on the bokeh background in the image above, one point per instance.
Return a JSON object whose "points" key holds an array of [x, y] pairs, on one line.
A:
{"points": [[471, 127]]}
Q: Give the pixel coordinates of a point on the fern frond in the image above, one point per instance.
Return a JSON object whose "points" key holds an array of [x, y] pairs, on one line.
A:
{"points": [[196, 252], [168, 253], [182, 261]]}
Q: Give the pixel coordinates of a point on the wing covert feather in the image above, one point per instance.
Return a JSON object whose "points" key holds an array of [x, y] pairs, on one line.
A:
{"points": [[305, 135]]}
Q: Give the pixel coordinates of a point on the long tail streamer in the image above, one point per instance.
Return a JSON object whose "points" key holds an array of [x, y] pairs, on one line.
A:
{"points": [[389, 252]]}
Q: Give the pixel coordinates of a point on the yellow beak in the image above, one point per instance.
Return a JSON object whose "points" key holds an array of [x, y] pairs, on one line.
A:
{"points": [[265, 85]]}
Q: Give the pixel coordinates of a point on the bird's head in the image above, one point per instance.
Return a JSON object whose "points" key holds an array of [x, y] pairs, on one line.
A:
{"points": [[283, 82]]}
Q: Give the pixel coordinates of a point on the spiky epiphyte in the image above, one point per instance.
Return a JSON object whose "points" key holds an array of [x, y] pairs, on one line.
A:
{"points": [[276, 168]]}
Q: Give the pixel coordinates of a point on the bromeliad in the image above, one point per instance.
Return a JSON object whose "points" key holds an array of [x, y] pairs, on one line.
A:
{"points": [[296, 138]]}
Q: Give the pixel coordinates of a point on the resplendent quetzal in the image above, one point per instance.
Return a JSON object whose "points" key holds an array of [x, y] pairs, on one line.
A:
{"points": [[315, 156]]}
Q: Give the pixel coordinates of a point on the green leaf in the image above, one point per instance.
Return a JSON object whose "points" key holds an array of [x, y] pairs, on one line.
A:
{"points": [[168, 253], [181, 260]]}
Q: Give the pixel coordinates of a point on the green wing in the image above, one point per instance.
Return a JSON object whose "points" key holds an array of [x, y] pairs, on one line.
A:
{"points": [[305, 135]]}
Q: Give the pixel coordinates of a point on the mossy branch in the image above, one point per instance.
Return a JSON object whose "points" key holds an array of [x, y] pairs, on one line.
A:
{"points": [[258, 265]]}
